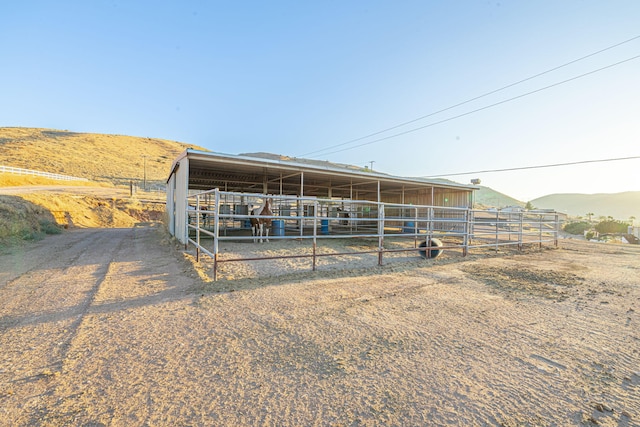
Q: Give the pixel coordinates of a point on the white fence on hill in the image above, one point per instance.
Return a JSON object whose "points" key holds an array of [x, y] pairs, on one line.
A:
{"points": [[20, 171]]}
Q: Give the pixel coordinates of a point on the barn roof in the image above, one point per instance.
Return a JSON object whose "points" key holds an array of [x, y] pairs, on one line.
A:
{"points": [[244, 173]]}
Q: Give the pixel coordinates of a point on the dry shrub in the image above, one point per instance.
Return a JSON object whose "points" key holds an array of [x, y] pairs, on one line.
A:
{"points": [[23, 220]]}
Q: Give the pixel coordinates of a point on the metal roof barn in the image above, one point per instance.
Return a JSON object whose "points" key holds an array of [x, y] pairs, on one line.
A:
{"points": [[194, 171]]}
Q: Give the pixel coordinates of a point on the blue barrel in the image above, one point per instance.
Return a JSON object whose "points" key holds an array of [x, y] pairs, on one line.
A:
{"points": [[324, 226], [278, 227], [409, 227]]}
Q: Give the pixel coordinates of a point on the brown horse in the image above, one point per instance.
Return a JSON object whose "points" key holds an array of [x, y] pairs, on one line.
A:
{"points": [[259, 225]]}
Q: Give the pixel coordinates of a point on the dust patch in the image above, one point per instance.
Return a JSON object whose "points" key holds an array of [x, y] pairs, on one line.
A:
{"points": [[519, 281]]}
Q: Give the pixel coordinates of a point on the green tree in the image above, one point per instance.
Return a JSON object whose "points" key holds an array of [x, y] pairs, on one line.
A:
{"points": [[529, 206], [577, 227], [589, 215], [611, 226]]}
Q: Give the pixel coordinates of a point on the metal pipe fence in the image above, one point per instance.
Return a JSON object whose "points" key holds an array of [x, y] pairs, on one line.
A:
{"points": [[216, 216]]}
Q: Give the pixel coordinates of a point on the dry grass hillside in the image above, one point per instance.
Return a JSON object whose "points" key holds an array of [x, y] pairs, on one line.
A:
{"points": [[116, 159], [31, 206], [44, 206]]}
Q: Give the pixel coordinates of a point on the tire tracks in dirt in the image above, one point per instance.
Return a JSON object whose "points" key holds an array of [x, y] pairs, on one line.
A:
{"points": [[100, 275], [57, 251], [50, 293]]}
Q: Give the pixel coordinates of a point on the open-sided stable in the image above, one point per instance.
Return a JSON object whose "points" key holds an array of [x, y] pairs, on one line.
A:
{"points": [[195, 171]]}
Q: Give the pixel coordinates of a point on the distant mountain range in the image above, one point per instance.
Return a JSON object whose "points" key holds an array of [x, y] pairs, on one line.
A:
{"points": [[620, 206]]}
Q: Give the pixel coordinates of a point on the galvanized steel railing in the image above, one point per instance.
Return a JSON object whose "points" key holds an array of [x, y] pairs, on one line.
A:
{"points": [[216, 216]]}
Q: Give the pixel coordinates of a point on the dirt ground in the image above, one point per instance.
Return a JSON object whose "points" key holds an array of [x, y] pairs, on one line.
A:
{"points": [[115, 327]]}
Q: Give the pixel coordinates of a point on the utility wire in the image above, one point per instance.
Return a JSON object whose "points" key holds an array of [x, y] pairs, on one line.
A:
{"points": [[482, 108], [472, 99], [582, 162]]}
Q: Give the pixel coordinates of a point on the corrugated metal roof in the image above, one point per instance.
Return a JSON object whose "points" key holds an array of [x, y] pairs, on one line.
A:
{"points": [[212, 166]]}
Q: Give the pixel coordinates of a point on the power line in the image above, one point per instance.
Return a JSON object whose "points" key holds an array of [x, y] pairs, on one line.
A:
{"points": [[553, 165], [472, 99], [483, 108]]}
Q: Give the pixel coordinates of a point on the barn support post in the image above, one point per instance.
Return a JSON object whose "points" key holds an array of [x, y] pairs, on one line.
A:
{"points": [[416, 227], [520, 230], [216, 230], [430, 224], [215, 267], [497, 227], [540, 231], [300, 203], [352, 225], [465, 238], [186, 221], [197, 228], [315, 231], [380, 228]]}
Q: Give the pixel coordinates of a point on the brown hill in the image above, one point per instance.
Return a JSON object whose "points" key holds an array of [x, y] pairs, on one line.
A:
{"points": [[620, 206], [117, 159], [312, 162]]}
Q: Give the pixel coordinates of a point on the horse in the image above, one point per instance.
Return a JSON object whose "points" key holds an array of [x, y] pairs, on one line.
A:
{"points": [[260, 225], [343, 214]]}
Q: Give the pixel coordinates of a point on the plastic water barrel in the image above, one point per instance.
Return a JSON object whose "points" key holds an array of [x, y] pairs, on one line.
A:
{"points": [[433, 253], [278, 227], [324, 226], [409, 227]]}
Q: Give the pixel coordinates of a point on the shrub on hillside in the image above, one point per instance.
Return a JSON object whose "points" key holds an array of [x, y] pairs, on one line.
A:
{"points": [[23, 220], [611, 226], [49, 227], [577, 227]]}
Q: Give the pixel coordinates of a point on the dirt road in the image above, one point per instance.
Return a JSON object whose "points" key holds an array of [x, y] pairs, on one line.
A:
{"points": [[112, 327], [52, 291], [70, 189]]}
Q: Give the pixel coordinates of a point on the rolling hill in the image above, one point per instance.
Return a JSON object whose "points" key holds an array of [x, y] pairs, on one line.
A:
{"points": [[486, 196], [116, 159], [620, 206]]}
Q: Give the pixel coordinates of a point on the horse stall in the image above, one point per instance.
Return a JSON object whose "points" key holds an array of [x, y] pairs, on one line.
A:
{"points": [[215, 199]]}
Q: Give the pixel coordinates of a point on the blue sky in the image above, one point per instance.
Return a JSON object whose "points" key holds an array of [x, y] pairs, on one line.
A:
{"points": [[297, 77]]}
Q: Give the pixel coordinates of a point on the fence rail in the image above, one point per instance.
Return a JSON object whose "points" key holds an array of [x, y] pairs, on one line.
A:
{"points": [[216, 216], [20, 171]]}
